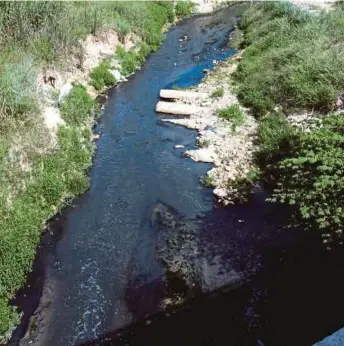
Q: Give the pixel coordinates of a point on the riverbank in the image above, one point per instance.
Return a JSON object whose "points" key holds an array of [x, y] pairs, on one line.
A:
{"points": [[291, 81], [226, 136], [266, 126], [48, 90]]}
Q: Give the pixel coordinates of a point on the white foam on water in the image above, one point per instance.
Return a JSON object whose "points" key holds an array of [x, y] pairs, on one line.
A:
{"points": [[90, 323]]}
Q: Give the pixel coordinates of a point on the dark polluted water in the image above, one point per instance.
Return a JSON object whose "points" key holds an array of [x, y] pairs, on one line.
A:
{"points": [[106, 267]]}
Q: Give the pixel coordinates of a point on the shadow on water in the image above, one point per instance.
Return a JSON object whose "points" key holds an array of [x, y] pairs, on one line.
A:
{"points": [[289, 291], [294, 298]]}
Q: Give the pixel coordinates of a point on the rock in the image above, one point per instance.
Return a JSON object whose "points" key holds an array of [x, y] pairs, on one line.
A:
{"points": [[220, 192], [116, 74], [106, 52], [64, 92], [203, 154], [114, 63], [178, 146]]}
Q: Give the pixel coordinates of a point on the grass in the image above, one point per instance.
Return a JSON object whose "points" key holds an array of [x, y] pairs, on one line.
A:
{"points": [[130, 60], [299, 53], [78, 107], [233, 114], [101, 76], [184, 8], [276, 139], [218, 93]]}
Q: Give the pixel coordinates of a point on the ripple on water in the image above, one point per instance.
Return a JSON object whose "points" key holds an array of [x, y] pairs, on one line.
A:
{"points": [[91, 320]]}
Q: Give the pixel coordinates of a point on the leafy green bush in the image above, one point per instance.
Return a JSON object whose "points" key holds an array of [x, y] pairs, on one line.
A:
{"points": [[207, 181], [78, 106], [312, 180], [299, 53], [217, 93], [129, 60], [233, 114], [102, 77], [276, 139], [184, 8], [56, 177]]}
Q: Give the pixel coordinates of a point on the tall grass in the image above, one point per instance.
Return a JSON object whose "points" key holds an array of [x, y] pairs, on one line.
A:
{"points": [[300, 54]]}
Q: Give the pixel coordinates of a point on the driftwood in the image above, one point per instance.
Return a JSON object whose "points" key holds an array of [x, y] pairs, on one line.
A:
{"points": [[180, 94], [176, 108]]}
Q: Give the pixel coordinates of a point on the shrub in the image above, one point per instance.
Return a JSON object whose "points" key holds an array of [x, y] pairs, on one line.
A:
{"points": [[78, 106], [276, 139], [233, 114], [101, 76], [312, 180], [129, 60], [217, 93], [184, 8], [207, 181]]}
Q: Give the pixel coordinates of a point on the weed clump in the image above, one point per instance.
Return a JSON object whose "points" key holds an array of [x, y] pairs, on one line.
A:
{"points": [[217, 93], [101, 76], [78, 106], [233, 114]]}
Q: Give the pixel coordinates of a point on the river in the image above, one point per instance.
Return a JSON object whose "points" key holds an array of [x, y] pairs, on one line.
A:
{"points": [[102, 272]]}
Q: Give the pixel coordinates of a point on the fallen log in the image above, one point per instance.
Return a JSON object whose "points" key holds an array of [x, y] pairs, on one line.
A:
{"points": [[180, 94], [176, 108]]}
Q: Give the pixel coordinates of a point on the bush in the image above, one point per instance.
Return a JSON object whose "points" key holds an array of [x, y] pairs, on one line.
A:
{"points": [[217, 93], [277, 139], [312, 180], [129, 60], [184, 8], [78, 106], [232, 113], [102, 77], [207, 181]]}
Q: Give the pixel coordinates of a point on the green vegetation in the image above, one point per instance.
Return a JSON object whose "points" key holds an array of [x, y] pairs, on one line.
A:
{"points": [[101, 76], [312, 179], [276, 139], [300, 55], [233, 114], [203, 143], [78, 107], [184, 8], [129, 60], [244, 185], [37, 175], [293, 62], [217, 93], [207, 181]]}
